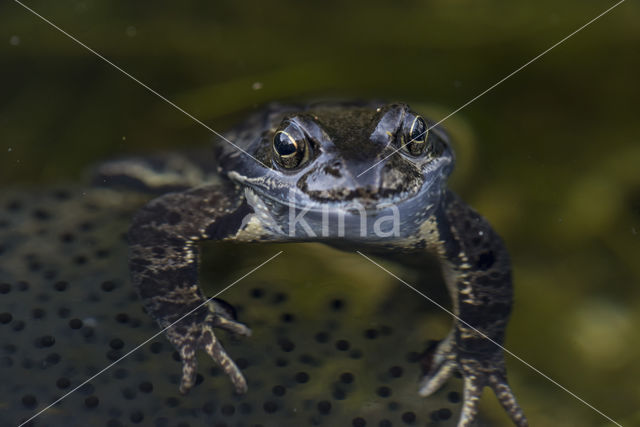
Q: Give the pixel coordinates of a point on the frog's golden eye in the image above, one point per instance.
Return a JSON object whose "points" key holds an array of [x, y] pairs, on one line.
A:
{"points": [[414, 135], [289, 146]]}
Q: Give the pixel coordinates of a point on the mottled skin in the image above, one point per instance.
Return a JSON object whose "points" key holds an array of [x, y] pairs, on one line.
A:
{"points": [[310, 176]]}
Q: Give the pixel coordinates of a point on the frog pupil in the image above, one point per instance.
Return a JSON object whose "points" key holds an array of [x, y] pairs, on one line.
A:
{"points": [[284, 144], [418, 131]]}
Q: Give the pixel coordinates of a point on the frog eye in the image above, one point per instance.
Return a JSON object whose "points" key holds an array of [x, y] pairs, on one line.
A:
{"points": [[414, 136], [289, 146]]}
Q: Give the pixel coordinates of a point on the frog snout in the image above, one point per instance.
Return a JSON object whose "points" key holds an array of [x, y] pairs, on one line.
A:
{"points": [[338, 181]]}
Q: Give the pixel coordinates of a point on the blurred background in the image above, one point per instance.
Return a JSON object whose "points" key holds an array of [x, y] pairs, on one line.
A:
{"points": [[551, 156]]}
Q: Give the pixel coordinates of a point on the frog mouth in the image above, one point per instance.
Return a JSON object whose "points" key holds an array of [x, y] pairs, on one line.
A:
{"points": [[335, 200], [362, 196], [354, 202]]}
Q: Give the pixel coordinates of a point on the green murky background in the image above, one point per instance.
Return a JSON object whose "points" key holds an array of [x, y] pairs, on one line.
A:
{"points": [[551, 156]]}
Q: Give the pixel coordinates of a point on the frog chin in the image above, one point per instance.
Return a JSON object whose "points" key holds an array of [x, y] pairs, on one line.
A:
{"points": [[296, 213], [304, 219]]}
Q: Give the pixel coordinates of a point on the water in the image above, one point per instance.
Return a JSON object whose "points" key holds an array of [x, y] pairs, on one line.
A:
{"points": [[550, 157]]}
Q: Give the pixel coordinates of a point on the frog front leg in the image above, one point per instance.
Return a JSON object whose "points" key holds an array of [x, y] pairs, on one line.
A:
{"points": [[477, 271], [164, 268]]}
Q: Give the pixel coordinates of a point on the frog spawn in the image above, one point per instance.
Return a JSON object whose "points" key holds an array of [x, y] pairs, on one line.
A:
{"points": [[67, 311]]}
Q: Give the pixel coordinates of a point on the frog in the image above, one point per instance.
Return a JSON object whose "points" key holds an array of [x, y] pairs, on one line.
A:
{"points": [[358, 176]]}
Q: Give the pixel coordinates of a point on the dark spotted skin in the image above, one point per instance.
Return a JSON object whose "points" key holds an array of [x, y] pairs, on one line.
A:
{"points": [[251, 201], [164, 267], [474, 256]]}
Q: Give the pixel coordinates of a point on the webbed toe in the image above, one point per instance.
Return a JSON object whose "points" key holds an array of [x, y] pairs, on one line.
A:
{"points": [[200, 336], [489, 372], [478, 371], [442, 364]]}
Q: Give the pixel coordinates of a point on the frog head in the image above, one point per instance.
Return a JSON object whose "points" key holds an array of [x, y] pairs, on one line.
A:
{"points": [[359, 161]]}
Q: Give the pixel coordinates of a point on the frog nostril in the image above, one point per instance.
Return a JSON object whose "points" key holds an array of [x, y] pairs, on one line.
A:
{"points": [[334, 170]]}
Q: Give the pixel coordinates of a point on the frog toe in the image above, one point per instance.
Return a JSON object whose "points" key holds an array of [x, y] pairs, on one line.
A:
{"points": [[231, 326], [440, 366], [189, 368], [223, 316], [201, 336], [211, 345], [436, 378], [507, 399], [217, 353], [478, 375], [472, 391]]}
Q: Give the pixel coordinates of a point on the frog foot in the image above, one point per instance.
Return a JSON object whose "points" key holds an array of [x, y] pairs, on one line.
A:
{"points": [[477, 372], [198, 335]]}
